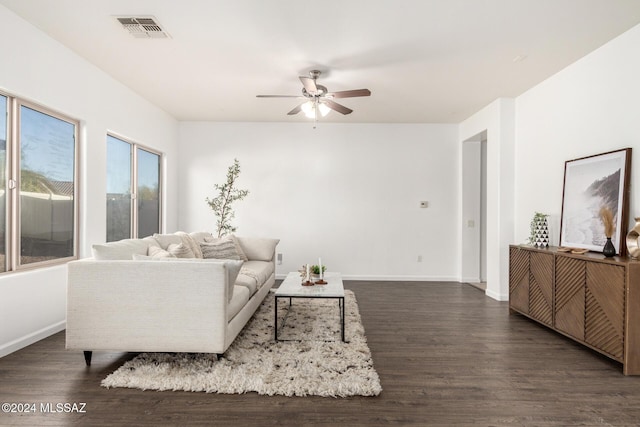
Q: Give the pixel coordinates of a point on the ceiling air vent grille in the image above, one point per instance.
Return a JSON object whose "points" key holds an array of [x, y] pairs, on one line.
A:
{"points": [[143, 27]]}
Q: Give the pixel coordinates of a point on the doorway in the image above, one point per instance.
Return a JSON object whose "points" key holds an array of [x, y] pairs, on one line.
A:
{"points": [[474, 211]]}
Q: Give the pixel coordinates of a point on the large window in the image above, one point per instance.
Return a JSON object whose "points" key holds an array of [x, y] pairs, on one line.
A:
{"points": [[38, 175], [3, 181], [133, 190]]}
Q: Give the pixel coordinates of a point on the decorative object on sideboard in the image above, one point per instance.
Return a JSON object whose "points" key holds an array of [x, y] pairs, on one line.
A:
{"points": [[539, 235], [227, 194], [632, 240], [609, 226], [590, 183]]}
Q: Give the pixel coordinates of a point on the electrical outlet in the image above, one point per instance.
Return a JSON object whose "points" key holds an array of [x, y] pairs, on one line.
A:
{"points": [[279, 259], [424, 204], [419, 258]]}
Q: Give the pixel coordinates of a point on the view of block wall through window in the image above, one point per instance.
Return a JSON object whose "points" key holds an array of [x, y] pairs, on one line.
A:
{"points": [[132, 213], [38, 170]]}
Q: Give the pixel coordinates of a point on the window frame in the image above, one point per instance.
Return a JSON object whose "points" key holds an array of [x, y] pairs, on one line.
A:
{"points": [[133, 149], [13, 211]]}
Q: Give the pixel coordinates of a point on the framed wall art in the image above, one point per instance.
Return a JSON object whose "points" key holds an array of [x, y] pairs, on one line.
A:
{"points": [[589, 184]]}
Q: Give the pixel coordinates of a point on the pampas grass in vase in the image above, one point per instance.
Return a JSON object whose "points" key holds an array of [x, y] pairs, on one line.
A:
{"points": [[606, 215]]}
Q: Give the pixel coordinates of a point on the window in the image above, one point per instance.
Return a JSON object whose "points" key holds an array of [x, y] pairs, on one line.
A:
{"points": [[133, 190], [148, 192], [119, 156], [38, 195], [3, 182]]}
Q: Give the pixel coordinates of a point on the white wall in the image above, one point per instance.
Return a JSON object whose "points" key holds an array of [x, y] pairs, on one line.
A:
{"points": [[591, 107], [35, 67], [348, 193]]}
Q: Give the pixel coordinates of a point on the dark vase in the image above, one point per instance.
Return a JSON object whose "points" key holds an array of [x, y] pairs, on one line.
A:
{"points": [[608, 249]]}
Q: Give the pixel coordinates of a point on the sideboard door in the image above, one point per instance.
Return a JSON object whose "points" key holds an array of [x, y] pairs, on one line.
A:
{"points": [[570, 296], [541, 287], [605, 305], [519, 279]]}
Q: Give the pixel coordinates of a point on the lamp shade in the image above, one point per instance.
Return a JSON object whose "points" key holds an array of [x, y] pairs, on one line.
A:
{"points": [[324, 110], [309, 109]]}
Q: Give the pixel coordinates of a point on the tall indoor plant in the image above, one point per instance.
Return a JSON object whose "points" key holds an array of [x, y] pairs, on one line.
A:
{"points": [[227, 195]]}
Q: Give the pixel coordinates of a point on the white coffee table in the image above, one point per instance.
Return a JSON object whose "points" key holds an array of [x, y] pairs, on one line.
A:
{"points": [[291, 288]]}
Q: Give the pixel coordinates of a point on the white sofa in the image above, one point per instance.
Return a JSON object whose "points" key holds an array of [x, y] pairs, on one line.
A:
{"points": [[134, 296]]}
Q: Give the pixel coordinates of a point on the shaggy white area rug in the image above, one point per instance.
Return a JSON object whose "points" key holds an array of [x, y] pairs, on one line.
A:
{"points": [[255, 362]]}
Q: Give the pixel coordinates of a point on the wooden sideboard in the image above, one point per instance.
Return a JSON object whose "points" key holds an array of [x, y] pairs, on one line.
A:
{"points": [[590, 298]]}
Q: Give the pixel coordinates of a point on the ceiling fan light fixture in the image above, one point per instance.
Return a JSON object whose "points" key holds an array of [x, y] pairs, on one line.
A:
{"points": [[324, 110], [309, 109], [318, 101]]}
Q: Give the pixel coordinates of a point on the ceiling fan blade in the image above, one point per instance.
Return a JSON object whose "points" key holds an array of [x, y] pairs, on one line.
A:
{"points": [[309, 84], [350, 93], [295, 110], [337, 107], [278, 96]]}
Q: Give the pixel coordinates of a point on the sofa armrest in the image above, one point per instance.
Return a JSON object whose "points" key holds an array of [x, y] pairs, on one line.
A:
{"points": [[146, 305]]}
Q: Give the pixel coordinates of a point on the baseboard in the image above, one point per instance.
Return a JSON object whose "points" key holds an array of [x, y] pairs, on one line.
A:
{"points": [[391, 278], [27, 340], [470, 280], [496, 296]]}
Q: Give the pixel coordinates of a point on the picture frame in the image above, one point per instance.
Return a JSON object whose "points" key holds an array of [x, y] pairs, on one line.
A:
{"points": [[590, 183]]}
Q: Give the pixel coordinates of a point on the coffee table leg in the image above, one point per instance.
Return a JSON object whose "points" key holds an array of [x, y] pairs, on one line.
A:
{"points": [[275, 321], [341, 301]]}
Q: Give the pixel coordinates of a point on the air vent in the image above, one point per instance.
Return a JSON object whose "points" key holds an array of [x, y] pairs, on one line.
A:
{"points": [[143, 27]]}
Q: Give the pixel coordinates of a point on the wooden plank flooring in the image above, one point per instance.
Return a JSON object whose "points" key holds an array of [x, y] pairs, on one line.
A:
{"points": [[446, 354]]}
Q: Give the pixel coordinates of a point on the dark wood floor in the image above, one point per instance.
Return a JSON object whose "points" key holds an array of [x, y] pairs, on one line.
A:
{"points": [[446, 355]]}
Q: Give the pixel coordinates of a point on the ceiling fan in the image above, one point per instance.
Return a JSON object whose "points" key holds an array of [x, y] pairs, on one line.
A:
{"points": [[317, 99]]}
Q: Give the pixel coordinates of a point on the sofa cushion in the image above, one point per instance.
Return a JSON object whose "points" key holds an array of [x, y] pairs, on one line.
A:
{"points": [[258, 249], [156, 252], [260, 270], [254, 274], [180, 251], [223, 248], [239, 300], [120, 250], [247, 281]]}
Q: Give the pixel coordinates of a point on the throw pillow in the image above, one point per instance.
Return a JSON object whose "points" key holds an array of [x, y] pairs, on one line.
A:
{"points": [[191, 243], [157, 252], [223, 248], [180, 251], [200, 236], [258, 249], [235, 241], [164, 240]]}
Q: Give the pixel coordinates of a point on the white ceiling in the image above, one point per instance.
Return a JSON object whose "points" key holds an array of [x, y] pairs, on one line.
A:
{"points": [[425, 61]]}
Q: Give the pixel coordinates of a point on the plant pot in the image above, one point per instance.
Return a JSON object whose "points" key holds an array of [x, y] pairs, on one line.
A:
{"points": [[541, 233]]}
